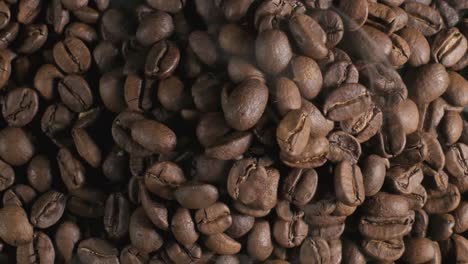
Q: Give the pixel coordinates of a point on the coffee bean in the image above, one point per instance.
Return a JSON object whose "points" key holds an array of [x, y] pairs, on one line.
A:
{"points": [[448, 47], [142, 234], [384, 250], [456, 91], [293, 132], [15, 228], [300, 186], [48, 209], [19, 195], [307, 75], [222, 244], [373, 172], [419, 47], [343, 146], [66, 239], [241, 225], [314, 250], [114, 26], [214, 219], [87, 15], [40, 249], [7, 176], [423, 18], [72, 170], [28, 10], [81, 31], [425, 247], [349, 186], [144, 132], [309, 36], [96, 250], [45, 80], [244, 104], [116, 216], [273, 51], [8, 34], [16, 146], [183, 253], [72, 55], [154, 27], [183, 227], [206, 195], [347, 101], [162, 59], [130, 254], [163, 178]]}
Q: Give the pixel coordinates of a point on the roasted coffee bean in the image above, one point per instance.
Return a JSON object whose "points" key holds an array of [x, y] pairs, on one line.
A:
{"points": [[287, 96], [183, 227], [8, 34], [39, 249], [456, 92], [138, 92], [72, 171], [163, 178], [142, 234], [15, 228], [203, 47], [273, 51], [349, 186], [116, 216], [441, 226], [293, 132], [343, 147], [347, 101], [319, 125], [28, 10], [239, 70], [222, 244], [45, 80], [20, 106], [33, 38], [7, 176], [111, 92], [423, 18], [442, 201], [130, 254], [16, 146], [315, 250], [259, 244], [96, 250], [419, 47], [81, 31], [448, 47], [214, 219], [300, 186], [356, 13], [384, 250], [307, 75], [72, 55], [154, 27], [309, 36], [241, 225], [106, 56], [66, 239], [145, 131], [243, 105], [196, 195], [48, 209], [162, 59], [121, 132], [425, 247]]}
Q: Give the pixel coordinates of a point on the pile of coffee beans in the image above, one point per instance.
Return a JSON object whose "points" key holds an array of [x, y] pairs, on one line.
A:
{"points": [[233, 131]]}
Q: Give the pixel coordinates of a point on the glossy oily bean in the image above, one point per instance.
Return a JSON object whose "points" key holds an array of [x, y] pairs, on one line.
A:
{"points": [[16, 146], [96, 250], [116, 216], [45, 80], [75, 93], [20, 106], [162, 59], [155, 27], [40, 249], [144, 131], [309, 36], [72, 171]]}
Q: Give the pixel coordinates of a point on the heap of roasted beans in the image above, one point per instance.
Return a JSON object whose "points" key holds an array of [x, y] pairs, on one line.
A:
{"points": [[233, 131]]}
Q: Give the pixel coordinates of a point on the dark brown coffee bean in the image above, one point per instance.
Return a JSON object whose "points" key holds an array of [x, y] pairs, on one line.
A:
{"points": [[154, 27], [244, 104], [96, 250], [87, 15], [332, 24], [183, 227], [423, 18], [385, 18], [145, 131], [81, 31], [45, 80], [307, 75], [122, 134], [172, 6], [66, 239], [259, 244], [241, 225], [138, 92], [6, 56], [290, 233], [20, 106], [106, 56], [74, 4], [162, 178], [112, 93], [114, 26], [347, 101], [7, 176], [203, 47], [116, 216], [86, 147], [75, 93], [57, 16], [343, 146], [196, 195], [400, 52], [156, 212], [72, 55], [214, 219], [442, 201], [235, 40], [72, 171], [40, 249], [286, 95], [315, 250], [339, 73], [244, 180], [441, 226], [314, 155], [222, 244], [457, 90], [15, 228], [142, 233], [293, 132], [456, 160], [39, 173], [239, 70], [349, 186], [309, 36], [384, 250], [300, 185], [16, 146], [273, 51], [353, 253], [451, 127], [419, 47], [48, 209], [162, 59], [5, 15], [28, 10]]}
